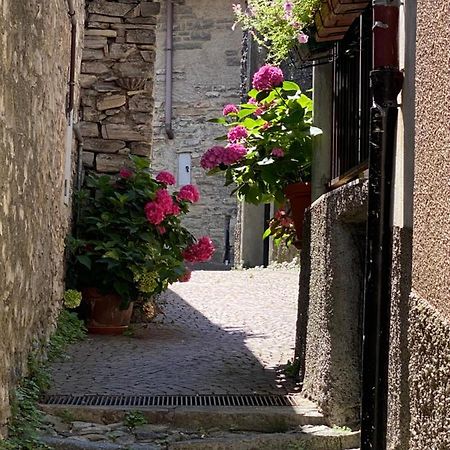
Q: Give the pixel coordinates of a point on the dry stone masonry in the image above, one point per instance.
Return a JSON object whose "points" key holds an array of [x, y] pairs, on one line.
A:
{"points": [[117, 81]]}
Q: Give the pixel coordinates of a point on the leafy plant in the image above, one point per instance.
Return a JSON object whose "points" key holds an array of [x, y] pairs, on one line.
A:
{"points": [[72, 298], [129, 237], [277, 132], [25, 416], [133, 419], [278, 25]]}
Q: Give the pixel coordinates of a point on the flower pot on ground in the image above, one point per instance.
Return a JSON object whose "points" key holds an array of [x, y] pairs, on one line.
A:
{"points": [[299, 196], [106, 314], [269, 140], [129, 242]]}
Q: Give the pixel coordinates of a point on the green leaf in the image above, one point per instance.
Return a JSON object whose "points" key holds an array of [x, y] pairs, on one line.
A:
{"points": [[262, 95], [220, 120], [290, 86], [267, 233], [253, 93], [85, 260]]}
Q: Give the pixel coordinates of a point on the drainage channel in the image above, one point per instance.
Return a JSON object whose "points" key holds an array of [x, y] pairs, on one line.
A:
{"points": [[248, 400]]}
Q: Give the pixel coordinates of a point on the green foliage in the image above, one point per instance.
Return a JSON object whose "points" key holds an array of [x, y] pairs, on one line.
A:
{"points": [[133, 419], [281, 228], [26, 417], [275, 28], [116, 248], [72, 298], [292, 368], [280, 118]]}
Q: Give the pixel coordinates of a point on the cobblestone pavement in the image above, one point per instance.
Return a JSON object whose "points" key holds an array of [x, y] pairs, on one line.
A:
{"points": [[223, 332]]}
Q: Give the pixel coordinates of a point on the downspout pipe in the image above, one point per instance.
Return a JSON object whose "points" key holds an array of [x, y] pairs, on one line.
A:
{"points": [[386, 84], [169, 70], [73, 47]]}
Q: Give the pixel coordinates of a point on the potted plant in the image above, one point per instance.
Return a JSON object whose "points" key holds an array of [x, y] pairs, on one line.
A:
{"points": [[269, 144], [129, 243]]}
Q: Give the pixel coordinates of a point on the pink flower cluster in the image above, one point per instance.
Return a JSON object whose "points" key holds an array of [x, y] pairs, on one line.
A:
{"points": [[267, 77], [189, 193], [228, 109], [163, 205], [165, 178], [222, 155], [200, 251], [185, 277], [277, 152], [125, 173], [237, 133]]}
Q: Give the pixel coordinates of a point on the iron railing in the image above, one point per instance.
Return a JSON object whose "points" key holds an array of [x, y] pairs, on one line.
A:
{"points": [[351, 101]]}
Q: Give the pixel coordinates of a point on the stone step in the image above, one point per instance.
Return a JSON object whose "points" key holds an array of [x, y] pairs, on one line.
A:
{"points": [[305, 438], [260, 419]]}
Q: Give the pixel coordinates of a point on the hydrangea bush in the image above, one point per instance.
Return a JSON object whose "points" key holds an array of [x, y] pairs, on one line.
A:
{"points": [[129, 238], [269, 139], [277, 25]]}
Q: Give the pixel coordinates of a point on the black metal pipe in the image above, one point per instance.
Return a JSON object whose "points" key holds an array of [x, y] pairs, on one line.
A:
{"points": [[386, 83], [73, 47]]}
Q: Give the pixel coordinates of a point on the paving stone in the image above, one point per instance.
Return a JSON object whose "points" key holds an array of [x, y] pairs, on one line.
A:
{"points": [[223, 332]]}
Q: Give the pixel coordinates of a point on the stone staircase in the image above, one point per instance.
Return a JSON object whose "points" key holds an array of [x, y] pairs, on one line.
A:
{"points": [[299, 427]]}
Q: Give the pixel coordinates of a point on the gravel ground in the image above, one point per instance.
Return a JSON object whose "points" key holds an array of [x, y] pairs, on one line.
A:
{"points": [[223, 332]]}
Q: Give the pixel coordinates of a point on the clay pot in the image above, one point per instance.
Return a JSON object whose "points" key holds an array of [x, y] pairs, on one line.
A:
{"points": [[299, 196], [105, 315]]}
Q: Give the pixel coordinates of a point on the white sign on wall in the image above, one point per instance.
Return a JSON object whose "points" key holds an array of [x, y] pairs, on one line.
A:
{"points": [[184, 169]]}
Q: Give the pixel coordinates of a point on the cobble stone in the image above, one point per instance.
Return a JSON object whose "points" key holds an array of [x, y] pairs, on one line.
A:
{"points": [[222, 333]]}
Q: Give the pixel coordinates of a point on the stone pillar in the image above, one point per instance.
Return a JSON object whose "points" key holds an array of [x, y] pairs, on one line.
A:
{"points": [[117, 82]]}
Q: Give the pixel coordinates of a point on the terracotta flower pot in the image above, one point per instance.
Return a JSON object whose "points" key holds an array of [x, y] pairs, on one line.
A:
{"points": [[299, 196], [105, 315]]}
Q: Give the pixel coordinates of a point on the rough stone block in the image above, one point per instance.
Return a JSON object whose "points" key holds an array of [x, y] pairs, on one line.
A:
{"points": [[104, 86], [138, 69], [109, 8], [91, 114], [122, 51], [100, 32], [103, 145], [111, 102], [141, 148], [111, 163], [89, 129], [142, 117], [142, 103], [148, 56], [86, 81], [103, 18], [94, 67], [88, 159], [150, 9], [141, 36], [126, 132], [92, 54], [143, 20], [94, 42]]}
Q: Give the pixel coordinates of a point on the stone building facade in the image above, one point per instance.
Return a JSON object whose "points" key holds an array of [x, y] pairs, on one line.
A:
{"points": [[206, 74], [332, 278], [35, 58], [116, 80]]}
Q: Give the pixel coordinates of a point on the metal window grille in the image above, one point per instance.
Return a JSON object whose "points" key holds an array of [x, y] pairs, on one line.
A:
{"points": [[351, 101]]}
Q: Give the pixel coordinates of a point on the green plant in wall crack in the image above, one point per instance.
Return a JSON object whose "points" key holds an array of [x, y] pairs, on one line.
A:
{"points": [[26, 419], [133, 419]]}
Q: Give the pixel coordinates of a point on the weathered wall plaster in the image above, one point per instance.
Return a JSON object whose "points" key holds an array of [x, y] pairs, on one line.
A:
{"points": [[35, 56], [333, 293]]}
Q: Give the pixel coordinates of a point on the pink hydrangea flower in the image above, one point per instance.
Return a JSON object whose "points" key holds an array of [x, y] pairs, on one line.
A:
{"points": [[189, 193], [212, 157], [164, 200], [233, 153], [185, 277], [125, 173], [267, 77], [228, 109], [161, 230], [237, 133], [154, 213], [200, 251], [288, 10], [166, 178], [302, 38], [252, 101], [277, 152]]}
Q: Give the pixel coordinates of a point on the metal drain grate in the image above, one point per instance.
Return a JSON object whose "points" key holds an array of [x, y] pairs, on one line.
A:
{"points": [[170, 400]]}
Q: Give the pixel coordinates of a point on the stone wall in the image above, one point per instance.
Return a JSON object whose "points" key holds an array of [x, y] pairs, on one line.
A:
{"points": [[117, 82], [206, 76], [330, 302], [34, 62]]}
